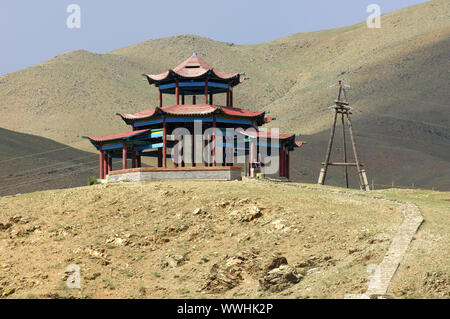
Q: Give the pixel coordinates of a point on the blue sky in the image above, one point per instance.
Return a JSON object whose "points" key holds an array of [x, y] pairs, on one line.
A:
{"points": [[34, 31]]}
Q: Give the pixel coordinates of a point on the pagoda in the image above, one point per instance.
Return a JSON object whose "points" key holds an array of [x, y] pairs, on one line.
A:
{"points": [[206, 155]]}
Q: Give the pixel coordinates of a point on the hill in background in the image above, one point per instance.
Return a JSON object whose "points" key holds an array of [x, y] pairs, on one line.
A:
{"points": [[29, 163], [399, 77]]}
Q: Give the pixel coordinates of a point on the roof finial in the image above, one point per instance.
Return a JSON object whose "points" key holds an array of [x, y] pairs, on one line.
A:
{"points": [[194, 54]]}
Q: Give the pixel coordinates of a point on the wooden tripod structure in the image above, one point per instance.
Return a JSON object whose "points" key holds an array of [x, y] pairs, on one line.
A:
{"points": [[342, 107]]}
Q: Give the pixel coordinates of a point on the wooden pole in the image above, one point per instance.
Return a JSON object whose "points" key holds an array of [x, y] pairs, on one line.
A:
{"points": [[101, 162], [211, 101], [344, 145], [164, 159], [109, 163], [228, 95], [194, 99], [124, 155], [361, 173], [323, 171], [160, 98], [182, 98]]}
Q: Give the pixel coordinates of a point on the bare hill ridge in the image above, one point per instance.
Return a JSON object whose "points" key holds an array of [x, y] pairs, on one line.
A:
{"points": [[399, 75]]}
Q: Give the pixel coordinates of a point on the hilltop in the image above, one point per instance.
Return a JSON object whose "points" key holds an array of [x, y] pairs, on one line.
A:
{"points": [[217, 240], [399, 78]]}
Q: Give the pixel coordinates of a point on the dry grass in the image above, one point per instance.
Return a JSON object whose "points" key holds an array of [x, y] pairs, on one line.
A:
{"points": [[122, 234]]}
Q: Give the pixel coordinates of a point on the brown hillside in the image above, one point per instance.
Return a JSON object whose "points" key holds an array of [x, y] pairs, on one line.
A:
{"points": [[399, 75]]}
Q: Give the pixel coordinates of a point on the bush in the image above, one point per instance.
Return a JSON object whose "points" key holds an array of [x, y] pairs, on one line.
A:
{"points": [[93, 180]]}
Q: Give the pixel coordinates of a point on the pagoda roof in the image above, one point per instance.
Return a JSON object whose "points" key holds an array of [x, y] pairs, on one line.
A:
{"points": [[194, 68], [189, 110], [286, 139], [97, 141]]}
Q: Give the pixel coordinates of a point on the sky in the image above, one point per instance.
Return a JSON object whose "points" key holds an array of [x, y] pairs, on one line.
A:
{"points": [[34, 31]]}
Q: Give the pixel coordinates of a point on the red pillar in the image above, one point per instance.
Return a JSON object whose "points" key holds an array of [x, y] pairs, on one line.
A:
{"points": [[214, 142], [133, 159], [105, 165], [160, 98], [193, 150], [206, 91], [177, 93], [164, 161], [102, 161], [109, 164], [139, 162], [281, 161], [194, 99], [124, 156], [287, 164], [159, 157], [252, 156], [231, 97]]}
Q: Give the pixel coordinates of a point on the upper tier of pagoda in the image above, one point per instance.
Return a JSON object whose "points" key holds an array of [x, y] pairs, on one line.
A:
{"points": [[190, 77]]}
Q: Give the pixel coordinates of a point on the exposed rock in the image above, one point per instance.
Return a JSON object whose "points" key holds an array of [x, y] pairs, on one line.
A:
{"points": [[5, 226], [278, 279], [175, 260]]}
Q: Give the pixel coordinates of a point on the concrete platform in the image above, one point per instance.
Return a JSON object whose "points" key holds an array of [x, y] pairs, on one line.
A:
{"points": [[225, 173]]}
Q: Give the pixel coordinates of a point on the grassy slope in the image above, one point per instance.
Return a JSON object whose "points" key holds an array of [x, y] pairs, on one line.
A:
{"points": [[398, 74], [344, 233]]}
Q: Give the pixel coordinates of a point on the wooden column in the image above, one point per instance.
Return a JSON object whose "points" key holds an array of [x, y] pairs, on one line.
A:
{"points": [[160, 157], [211, 100], [109, 163], [228, 95], [252, 157], [194, 99], [138, 161], [193, 150], [160, 98], [164, 155], [287, 165], [177, 93], [124, 156], [214, 142], [231, 97], [182, 98], [133, 159], [281, 161], [206, 91], [105, 165], [101, 162]]}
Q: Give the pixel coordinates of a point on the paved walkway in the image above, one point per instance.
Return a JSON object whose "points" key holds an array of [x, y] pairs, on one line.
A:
{"points": [[381, 278]]}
